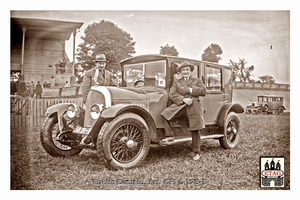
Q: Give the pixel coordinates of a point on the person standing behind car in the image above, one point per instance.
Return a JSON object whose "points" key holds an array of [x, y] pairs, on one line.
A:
{"points": [[38, 90], [184, 93], [31, 89], [67, 84], [98, 75], [52, 82]]}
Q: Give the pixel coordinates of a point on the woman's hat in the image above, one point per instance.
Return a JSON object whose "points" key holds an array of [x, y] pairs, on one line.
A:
{"points": [[185, 64], [100, 57]]}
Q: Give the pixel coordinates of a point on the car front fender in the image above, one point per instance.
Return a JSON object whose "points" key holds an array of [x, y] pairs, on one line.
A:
{"points": [[59, 109], [227, 108], [118, 109], [115, 110]]}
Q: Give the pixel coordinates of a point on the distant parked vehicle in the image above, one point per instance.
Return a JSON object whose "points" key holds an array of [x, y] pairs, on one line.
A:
{"points": [[266, 104]]}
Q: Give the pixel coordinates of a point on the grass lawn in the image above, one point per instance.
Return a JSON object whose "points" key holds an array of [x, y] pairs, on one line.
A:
{"points": [[165, 168]]}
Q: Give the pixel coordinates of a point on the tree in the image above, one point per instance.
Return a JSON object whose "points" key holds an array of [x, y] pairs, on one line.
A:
{"points": [[266, 79], [105, 37], [167, 50], [212, 53], [240, 71]]}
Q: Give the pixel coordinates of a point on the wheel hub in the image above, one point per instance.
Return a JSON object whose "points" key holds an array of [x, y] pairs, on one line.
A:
{"points": [[231, 130], [130, 144], [234, 131]]}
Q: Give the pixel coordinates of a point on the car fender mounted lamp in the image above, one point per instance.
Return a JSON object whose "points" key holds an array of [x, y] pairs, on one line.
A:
{"points": [[73, 111]]}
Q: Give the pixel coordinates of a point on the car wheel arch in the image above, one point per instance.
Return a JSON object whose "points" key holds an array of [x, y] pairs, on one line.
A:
{"points": [[283, 107], [227, 108], [117, 110]]}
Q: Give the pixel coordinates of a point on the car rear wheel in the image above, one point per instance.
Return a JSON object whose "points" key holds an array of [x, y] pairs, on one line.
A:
{"points": [[232, 131], [126, 141], [280, 111]]}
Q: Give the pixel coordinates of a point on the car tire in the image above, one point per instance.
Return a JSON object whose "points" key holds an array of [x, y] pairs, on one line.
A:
{"points": [[99, 143], [126, 141], [48, 134], [266, 108], [280, 110], [259, 110], [232, 131]]}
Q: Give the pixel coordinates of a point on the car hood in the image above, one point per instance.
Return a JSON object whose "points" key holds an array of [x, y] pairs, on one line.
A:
{"points": [[254, 103], [151, 93]]}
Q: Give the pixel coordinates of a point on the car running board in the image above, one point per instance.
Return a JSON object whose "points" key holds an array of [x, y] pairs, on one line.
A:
{"points": [[189, 139]]}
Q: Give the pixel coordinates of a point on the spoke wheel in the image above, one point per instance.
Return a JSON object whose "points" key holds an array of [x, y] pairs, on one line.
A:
{"points": [[126, 141], [231, 132]]}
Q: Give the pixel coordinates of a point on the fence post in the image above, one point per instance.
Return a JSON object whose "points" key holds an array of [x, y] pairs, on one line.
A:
{"points": [[30, 113]]}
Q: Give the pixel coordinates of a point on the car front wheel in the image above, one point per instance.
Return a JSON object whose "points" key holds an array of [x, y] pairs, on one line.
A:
{"points": [[232, 131], [48, 135], [266, 108], [126, 141], [259, 111]]}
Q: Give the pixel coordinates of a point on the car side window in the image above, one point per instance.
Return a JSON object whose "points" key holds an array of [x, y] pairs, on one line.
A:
{"points": [[155, 73], [213, 79], [270, 99]]}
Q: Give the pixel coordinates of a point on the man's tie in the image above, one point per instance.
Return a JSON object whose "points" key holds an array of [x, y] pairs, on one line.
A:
{"points": [[102, 73]]}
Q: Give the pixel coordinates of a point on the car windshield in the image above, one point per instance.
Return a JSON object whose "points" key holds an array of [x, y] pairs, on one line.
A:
{"points": [[260, 99], [152, 73]]}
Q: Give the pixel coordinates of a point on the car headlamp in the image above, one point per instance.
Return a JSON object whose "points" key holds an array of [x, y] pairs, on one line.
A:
{"points": [[72, 111], [96, 109]]}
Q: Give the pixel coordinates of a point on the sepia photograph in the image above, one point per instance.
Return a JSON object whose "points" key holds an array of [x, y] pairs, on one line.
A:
{"points": [[150, 99]]}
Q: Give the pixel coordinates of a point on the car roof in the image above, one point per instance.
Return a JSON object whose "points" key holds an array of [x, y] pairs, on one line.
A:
{"points": [[157, 57], [269, 95]]}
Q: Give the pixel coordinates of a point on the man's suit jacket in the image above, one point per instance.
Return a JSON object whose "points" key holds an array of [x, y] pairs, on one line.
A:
{"points": [[107, 80]]}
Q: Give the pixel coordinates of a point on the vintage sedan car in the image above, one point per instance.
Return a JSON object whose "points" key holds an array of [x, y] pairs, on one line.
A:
{"points": [[266, 104], [122, 123]]}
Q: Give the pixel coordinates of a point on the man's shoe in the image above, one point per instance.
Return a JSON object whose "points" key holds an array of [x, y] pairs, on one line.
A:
{"points": [[196, 157], [167, 140]]}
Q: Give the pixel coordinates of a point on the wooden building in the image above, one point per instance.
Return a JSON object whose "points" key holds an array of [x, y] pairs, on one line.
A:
{"points": [[37, 46]]}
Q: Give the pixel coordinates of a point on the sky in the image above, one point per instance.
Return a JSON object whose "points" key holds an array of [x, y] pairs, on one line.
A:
{"points": [[262, 38]]}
